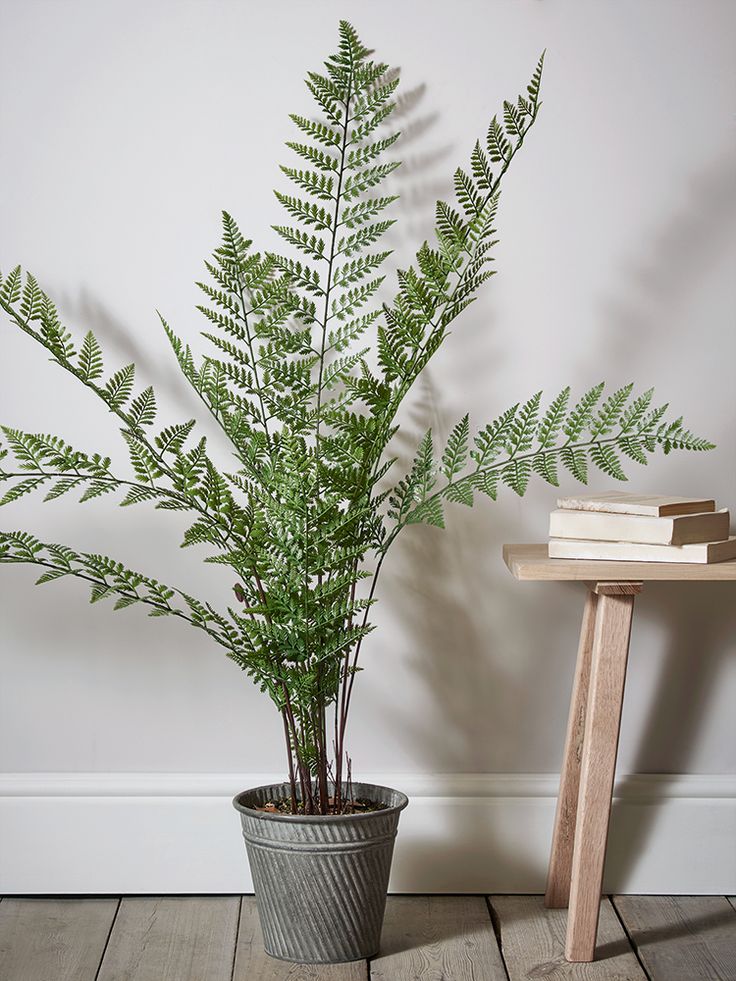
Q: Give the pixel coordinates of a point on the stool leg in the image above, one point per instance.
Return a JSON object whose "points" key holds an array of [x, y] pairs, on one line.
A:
{"points": [[598, 765], [563, 836]]}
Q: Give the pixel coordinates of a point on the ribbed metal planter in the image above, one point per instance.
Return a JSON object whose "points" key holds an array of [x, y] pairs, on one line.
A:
{"points": [[320, 881]]}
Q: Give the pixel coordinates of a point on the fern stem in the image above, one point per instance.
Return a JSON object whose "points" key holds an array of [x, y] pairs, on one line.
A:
{"points": [[320, 727], [331, 260]]}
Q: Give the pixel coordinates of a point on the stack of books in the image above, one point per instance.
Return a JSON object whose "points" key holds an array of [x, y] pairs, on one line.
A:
{"points": [[618, 525]]}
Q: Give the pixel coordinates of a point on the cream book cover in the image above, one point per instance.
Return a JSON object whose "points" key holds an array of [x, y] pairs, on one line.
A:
{"points": [[703, 552], [681, 529]]}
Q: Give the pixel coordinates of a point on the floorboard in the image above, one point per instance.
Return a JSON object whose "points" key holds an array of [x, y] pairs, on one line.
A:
{"points": [[682, 938], [433, 938], [53, 939], [177, 938], [253, 964], [425, 938], [533, 943]]}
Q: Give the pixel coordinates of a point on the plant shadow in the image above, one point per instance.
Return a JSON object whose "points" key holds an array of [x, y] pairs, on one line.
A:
{"points": [[696, 620], [465, 640]]}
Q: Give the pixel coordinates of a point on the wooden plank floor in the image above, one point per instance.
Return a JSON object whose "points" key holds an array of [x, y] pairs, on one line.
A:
{"points": [[425, 938]]}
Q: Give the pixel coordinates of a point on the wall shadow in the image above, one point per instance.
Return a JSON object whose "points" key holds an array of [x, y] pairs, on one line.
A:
{"points": [[464, 637], [481, 651], [697, 620], [654, 285]]}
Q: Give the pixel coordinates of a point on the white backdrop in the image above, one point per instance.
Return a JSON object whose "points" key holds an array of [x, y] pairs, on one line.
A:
{"points": [[126, 127]]}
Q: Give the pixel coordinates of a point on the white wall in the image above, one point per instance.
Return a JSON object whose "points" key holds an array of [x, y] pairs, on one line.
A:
{"points": [[127, 127]]}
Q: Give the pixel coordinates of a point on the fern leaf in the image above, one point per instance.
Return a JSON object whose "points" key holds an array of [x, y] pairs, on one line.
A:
{"points": [[10, 291], [604, 456], [318, 158], [358, 214], [633, 448], [124, 601], [142, 411], [499, 148], [486, 481], [579, 416], [524, 426], [360, 156], [634, 413], [304, 211], [491, 440], [171, 439], [90, 358], [144, 464], [96, 488], [311, 245], [429, 512], [481, 168], [317, 185], [516, 475], [456, 452], [317, 131], [31, 304], [610, 412], [536, 81], [120, 387], [576, 461], [553, 419], [22, 488], [545, 464], [363, 238]]}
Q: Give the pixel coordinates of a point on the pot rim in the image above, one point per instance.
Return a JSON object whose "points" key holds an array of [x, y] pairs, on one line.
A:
{"points": [[318, 818]]}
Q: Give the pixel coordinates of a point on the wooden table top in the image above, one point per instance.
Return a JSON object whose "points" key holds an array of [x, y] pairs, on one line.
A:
{"points": [[532, 563]]}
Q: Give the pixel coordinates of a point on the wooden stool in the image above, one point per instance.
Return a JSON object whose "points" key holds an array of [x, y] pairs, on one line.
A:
{"points": [[575, 875]]}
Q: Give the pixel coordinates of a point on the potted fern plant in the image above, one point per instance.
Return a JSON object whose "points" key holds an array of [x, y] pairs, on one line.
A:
{"points": [[306, 373]]}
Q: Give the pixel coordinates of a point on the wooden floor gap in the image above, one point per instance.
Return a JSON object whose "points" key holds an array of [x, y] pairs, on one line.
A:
{"points": [[109, 934], [237, 936], [631, 940], [496, 925]]}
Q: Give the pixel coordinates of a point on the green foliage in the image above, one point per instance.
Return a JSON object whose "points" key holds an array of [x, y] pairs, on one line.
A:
{"points": [[504, 448], [305, 516]]}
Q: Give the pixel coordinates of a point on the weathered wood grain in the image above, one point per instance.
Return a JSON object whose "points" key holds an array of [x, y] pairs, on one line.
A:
{"points": [[682, 938], [532, 562], [615, 588], [53, 939], [533, 943], [597, 769], [432, 938], [563, 836], [178, 938], [253, 964]]}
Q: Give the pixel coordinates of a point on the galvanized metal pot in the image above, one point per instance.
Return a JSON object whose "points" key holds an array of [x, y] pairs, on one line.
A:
{"points": [[320, 880]]}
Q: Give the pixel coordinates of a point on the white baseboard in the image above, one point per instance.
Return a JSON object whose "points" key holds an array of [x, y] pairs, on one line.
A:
{"points": [[177, 833]]}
